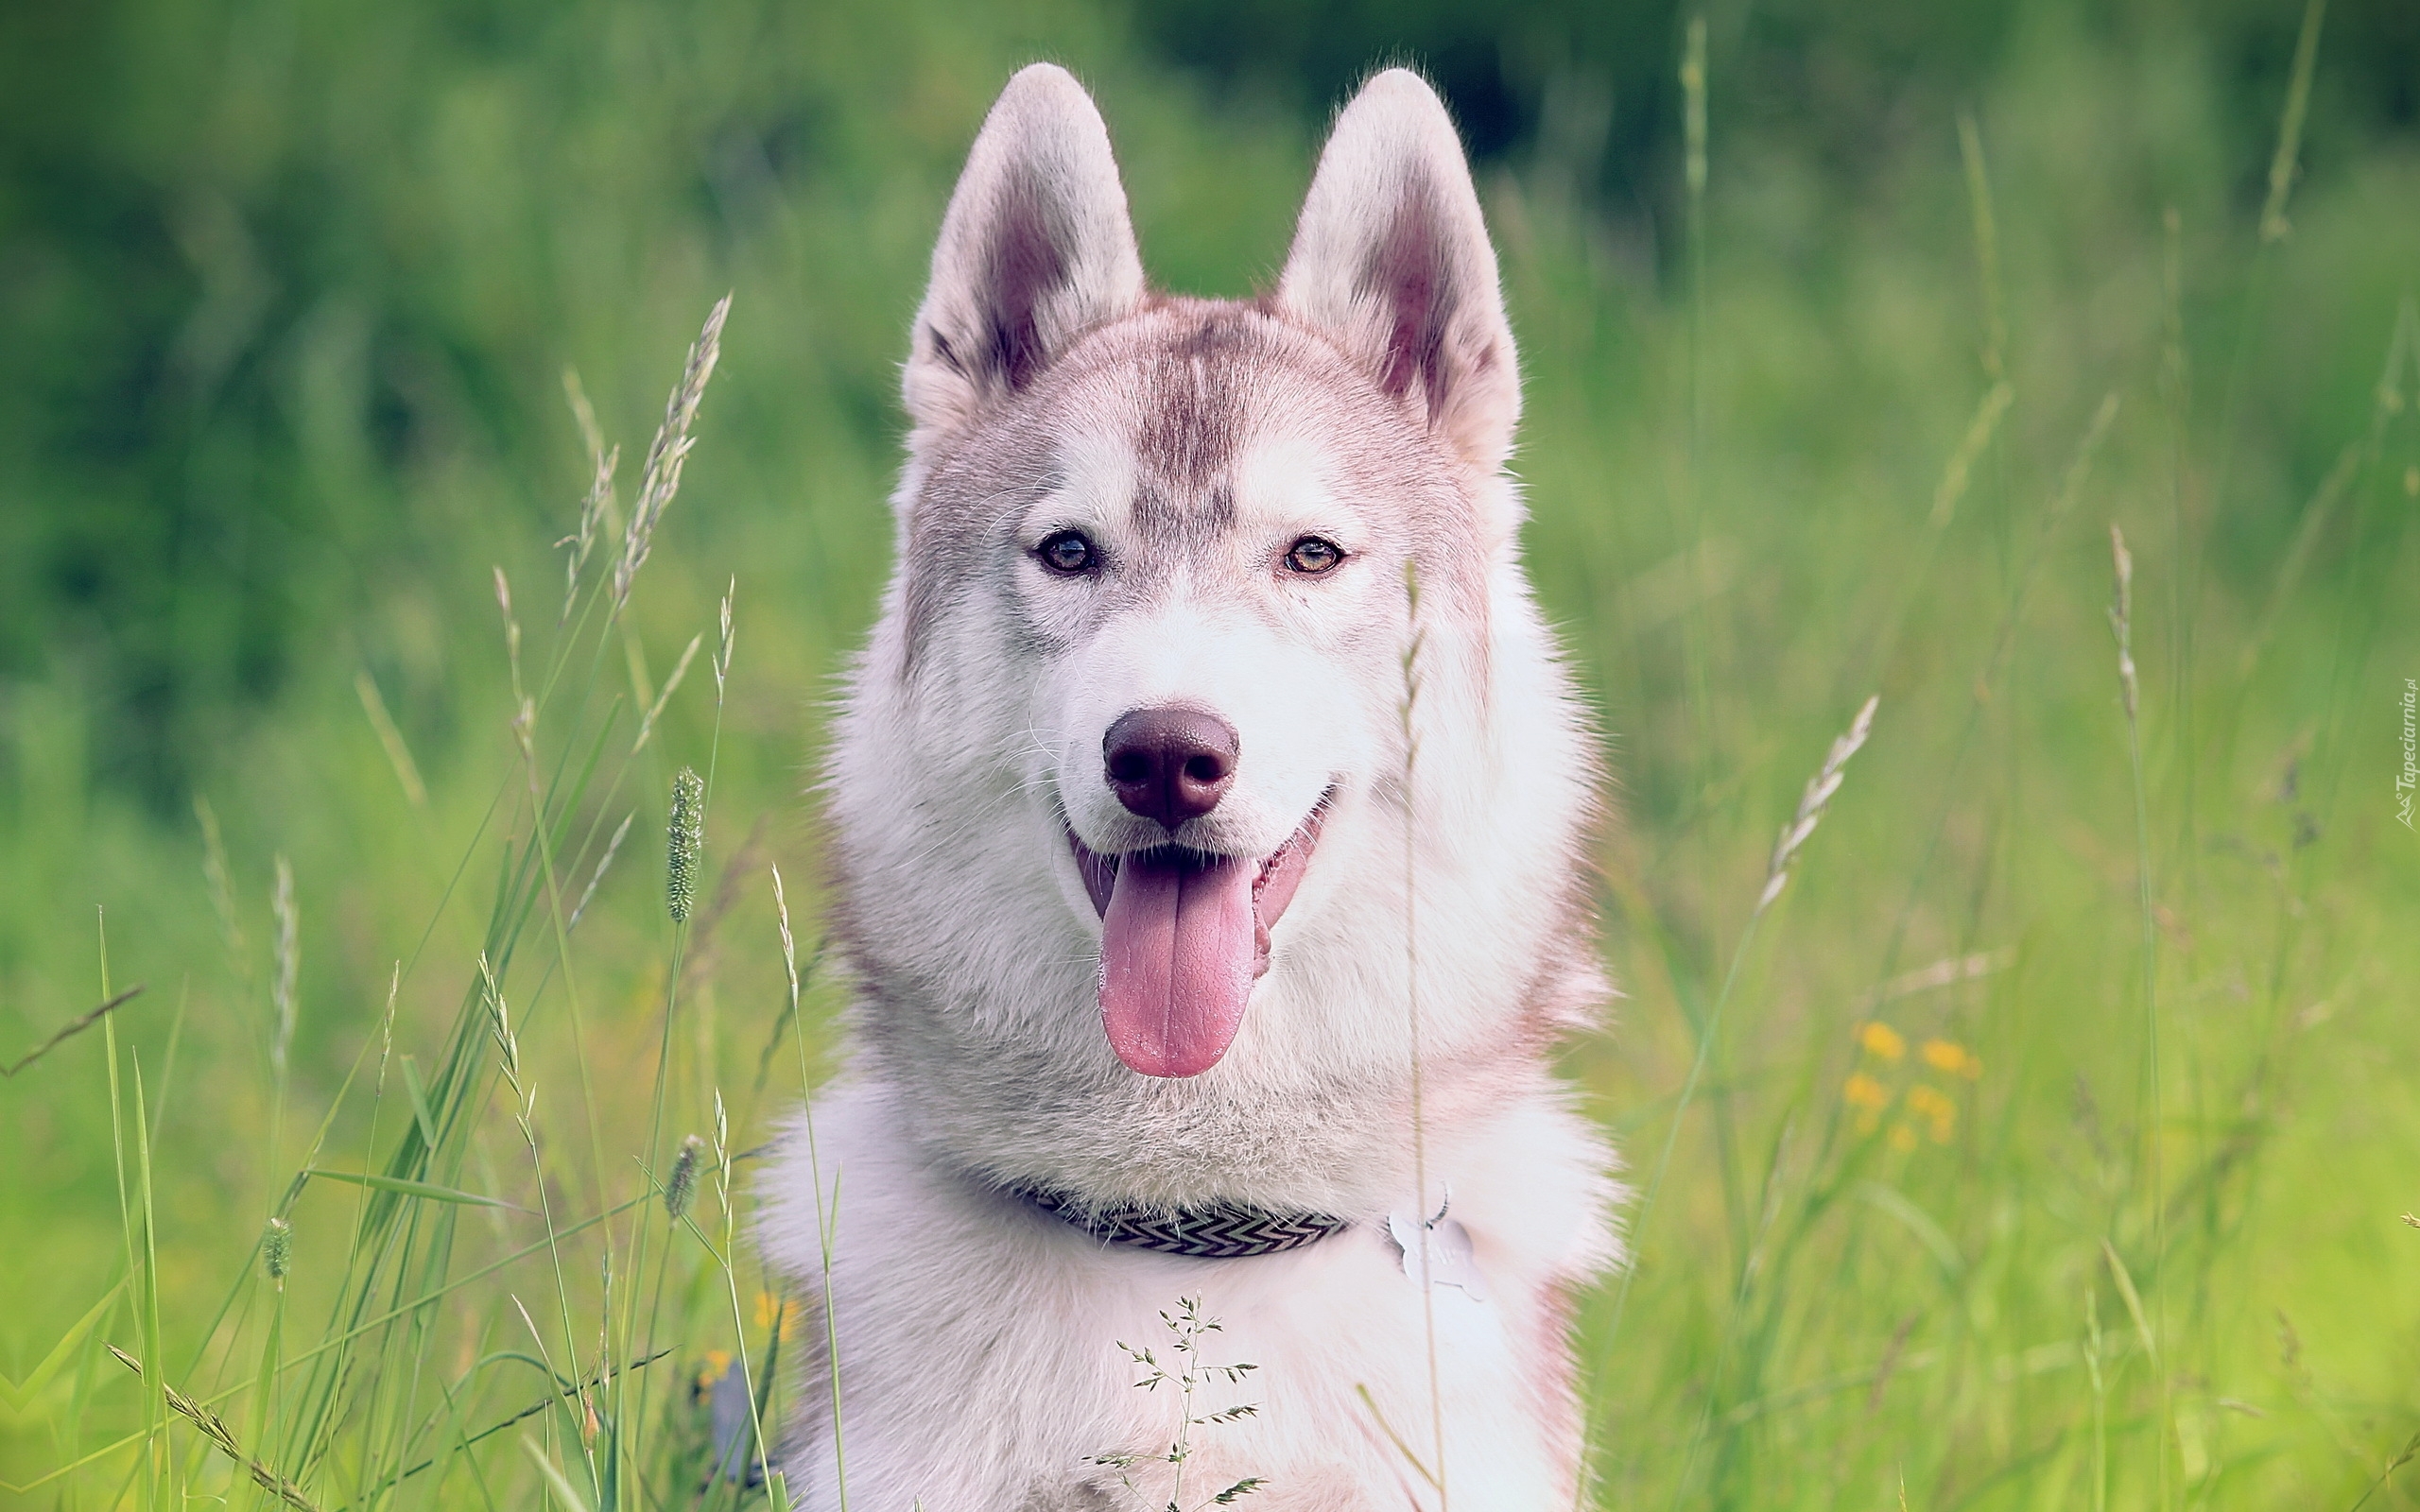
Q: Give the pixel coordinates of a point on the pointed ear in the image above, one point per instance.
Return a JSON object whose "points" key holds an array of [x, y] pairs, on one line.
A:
{"points": [[1392, 259], [1035, 249]]}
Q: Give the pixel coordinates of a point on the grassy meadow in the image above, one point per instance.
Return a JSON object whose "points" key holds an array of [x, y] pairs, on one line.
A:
{"points": [[2048, 1142]]}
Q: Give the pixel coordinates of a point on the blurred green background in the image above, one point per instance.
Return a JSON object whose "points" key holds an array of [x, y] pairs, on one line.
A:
{"points": [[288, 296]]}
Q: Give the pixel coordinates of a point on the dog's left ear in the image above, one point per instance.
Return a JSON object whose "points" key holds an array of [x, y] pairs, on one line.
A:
{"points": [[1036, 249], [1392, 258]]}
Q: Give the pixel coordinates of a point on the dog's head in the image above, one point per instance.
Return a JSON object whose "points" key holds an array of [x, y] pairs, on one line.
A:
{"points": [[1143, 748]]}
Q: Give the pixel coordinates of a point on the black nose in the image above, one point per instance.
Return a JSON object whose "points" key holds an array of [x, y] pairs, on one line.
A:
{"points": [[1169, 765]]}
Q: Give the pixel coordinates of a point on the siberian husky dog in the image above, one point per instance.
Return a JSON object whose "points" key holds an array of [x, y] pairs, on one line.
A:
{"points": [[1209, 813]]}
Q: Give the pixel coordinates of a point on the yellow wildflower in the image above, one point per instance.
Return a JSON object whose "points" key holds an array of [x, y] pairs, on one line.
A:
{"points": [[1903, 1139], [769, 1306], [1936, 1109], [1881, 1041], [1868, 1097], [718, 1364], [1950, 1056]]}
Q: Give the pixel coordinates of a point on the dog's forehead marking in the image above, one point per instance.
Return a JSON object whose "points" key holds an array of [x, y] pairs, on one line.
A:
{"points": [[1194, 396], [1194, 393], [1156, 444], [1170, 432]]}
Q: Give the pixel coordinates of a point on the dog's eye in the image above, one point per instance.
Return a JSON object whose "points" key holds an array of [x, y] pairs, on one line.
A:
{"points": [[1067, 550], [1313, 556]]}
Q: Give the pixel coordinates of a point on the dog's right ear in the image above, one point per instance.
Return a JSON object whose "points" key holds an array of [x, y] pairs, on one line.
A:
{"points": [[1036, 249]]}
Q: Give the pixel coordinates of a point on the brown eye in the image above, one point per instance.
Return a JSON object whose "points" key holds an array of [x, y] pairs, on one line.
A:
{"points": [[1067, 552], [1313, 556]]}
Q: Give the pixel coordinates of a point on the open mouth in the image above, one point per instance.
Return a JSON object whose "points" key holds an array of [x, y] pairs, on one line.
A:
{"points": [[1183, 935]]}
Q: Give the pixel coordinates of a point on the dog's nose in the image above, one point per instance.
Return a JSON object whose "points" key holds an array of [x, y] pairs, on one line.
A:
{"points": [[1169, 765]]}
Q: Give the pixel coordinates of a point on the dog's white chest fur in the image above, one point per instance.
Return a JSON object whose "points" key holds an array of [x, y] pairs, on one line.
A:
{"points": [[982, 1366], [1209, 770]]}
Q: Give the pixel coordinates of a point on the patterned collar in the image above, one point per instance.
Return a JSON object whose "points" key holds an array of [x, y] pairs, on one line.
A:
{"points": [[1218, 1232]]}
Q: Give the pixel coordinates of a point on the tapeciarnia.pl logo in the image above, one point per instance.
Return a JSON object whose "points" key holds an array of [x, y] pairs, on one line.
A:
{"points": [[2410, 777]]}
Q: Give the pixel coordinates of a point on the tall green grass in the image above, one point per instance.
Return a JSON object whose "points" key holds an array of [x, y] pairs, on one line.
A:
{"points": [[2043, 1144]]}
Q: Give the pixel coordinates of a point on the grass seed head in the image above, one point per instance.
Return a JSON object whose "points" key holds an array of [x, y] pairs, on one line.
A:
{"points": [[592, 510], [222, 893], [722, 660], [613, 847], [1812, 802], [2121, 616], [277, 1250], [667, 452], [789, 941], [685, 842], [682, 1186], [655, 709]]}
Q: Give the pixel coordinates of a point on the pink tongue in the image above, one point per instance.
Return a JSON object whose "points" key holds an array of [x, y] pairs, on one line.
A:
{"points": [[1176, 961]]}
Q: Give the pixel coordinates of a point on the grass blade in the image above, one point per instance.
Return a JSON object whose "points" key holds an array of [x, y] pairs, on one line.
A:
{"points": [[402, 1187]]}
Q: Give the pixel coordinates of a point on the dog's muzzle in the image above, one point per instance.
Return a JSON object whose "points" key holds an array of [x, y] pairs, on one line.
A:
{"points": [[1185, 933]]}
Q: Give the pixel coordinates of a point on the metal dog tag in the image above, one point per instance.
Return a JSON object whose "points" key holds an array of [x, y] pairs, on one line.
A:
{"points": [[1449, 1261]]}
